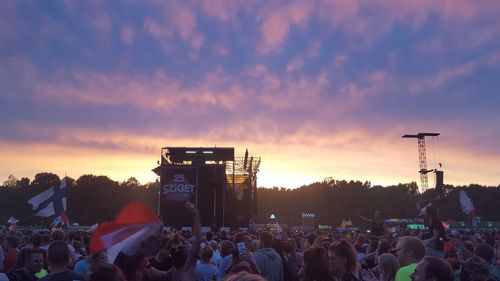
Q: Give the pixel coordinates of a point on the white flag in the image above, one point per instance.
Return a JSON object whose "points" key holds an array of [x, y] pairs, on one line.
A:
{"points": [[51, 201], [12, 220], [466, 204]]}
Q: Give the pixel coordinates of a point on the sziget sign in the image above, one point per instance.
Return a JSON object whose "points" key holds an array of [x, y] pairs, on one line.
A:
{"points": [[178, 184]]}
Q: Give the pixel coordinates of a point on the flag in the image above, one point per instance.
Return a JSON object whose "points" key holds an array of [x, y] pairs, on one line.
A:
{"points": [[50, 202], [62, 219], [132, 226], [12, 220], [466, 204]]}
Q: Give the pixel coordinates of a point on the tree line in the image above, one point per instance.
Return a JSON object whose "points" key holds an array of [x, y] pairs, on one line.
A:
{"points": [[94, 199]]}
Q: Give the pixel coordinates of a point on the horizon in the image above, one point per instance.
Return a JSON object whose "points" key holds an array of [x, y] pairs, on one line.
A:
{"points": [[316, 88]]}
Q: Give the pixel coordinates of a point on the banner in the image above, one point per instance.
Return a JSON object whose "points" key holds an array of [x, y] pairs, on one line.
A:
{"points": [[178, 184]]}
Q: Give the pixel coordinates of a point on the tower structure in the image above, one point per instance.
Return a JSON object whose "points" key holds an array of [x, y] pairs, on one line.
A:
{"points": [[422, 159]]}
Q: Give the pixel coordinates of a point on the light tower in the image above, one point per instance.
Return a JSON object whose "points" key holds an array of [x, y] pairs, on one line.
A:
{"points": [[422, 157]]}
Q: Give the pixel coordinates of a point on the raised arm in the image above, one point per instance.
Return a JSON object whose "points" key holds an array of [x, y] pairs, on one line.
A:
{"points": [[363, 218], [195, 249]]}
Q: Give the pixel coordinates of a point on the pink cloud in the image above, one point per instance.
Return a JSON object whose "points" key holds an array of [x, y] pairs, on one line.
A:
{"points": [[313, 50], [127, 34], [276, 23], [294, 65], [102, 22], [178, 18], [224, 10], [222, 51]]}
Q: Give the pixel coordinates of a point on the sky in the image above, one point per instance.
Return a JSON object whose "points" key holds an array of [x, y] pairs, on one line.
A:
{"points": [[317, 88]]}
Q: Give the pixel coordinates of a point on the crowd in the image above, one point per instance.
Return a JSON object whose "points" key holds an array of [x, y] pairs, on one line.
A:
{"points": [[435, 254]]}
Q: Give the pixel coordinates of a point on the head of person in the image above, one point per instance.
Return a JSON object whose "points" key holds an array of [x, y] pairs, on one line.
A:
{"points": [[243, 237], [209, 235], [409, 249], [97, 259], [266, 239], [372, 245], [11, 242], [342, 257], [478, 268], [383, 246], [132, 266], [226, 248], [388, 265], [315, 265], [485, 251], [164, 250], [33, 261], [433, 269], [178, 251], [359, 248], [58, 235], [311, 237], [360, 239], [36, 241], [58, 253], [214, 245], [206, 254], [107, 272]]}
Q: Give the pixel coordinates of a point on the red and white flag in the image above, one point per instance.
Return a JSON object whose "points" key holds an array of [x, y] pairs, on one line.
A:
{"points": [[132, 226]]}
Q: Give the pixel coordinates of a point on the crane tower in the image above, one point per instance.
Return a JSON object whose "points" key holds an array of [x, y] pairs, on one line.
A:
{"points": [[422, 157]]}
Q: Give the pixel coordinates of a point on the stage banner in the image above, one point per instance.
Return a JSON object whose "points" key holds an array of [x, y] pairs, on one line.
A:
{"points": [[178, 184]]}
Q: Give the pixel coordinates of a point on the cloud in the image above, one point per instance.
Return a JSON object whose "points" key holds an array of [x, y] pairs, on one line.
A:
{"points": [[276, 23], [128, 35], [176, 19], [294, 65]]}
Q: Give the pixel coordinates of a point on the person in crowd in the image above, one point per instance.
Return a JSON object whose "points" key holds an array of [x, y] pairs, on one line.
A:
{"points": [[97, 259], [409, 251], [268, 261], [487, 252], [45, 242], [162, 260], [83, 266], [133, 266], [77, 245], [244, 276], [360, 253], [315, 266], [60, 235], [278, 247], [342, 260], [388, 266], [184, 268], [371, 259], [478, 269], [378, 227], [290, 255], [434, 244], [107, 272], [33, 261], [433, 269], [59, 257], [311, 238], [216, 257], [232, 259], [2, 255], [226, 249], [205, 269], [11, 245]]}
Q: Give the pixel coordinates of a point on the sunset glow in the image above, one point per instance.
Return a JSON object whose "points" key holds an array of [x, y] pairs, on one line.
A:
{"points": [[316, 88]]}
